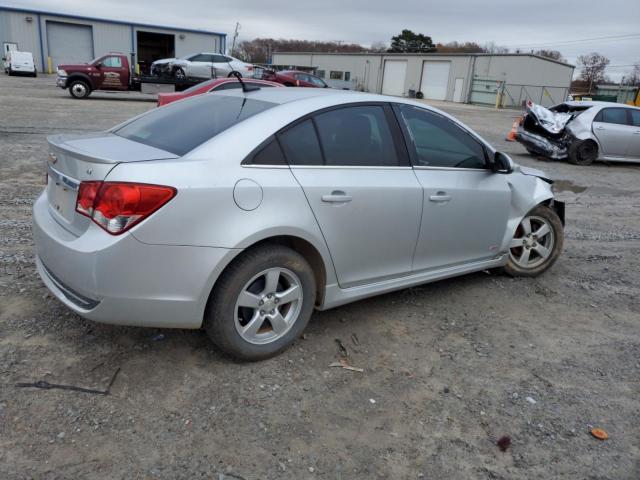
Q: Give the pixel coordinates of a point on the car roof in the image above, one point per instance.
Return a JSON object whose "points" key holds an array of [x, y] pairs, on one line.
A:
{"points": [[595, 103], [287, 95]]}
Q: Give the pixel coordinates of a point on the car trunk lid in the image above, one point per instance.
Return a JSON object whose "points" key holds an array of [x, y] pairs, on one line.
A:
{"points": [[90, 157], [552, 122]]}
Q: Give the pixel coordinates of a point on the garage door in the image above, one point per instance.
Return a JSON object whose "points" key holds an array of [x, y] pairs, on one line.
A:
{"points": [[395, 72], [69, 43], [435, 80]]}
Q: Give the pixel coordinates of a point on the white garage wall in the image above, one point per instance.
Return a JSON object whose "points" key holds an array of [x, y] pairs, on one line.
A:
{"points": [[15, 28]]}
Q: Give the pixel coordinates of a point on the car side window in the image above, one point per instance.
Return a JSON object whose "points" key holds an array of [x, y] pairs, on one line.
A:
{"points": [[616, 116], [635, 117], [316, 81], [198, 58], [112, 62], [218, 59], [267, 154], [357, 136], [300, 144], [439, 142]]}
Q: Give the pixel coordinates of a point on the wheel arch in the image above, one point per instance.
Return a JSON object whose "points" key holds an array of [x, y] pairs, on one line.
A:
{"points": [[301, 245], [80, 76]]}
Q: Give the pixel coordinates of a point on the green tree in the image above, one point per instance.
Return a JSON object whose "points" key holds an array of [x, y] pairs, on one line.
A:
{"points": [[409, 42]]}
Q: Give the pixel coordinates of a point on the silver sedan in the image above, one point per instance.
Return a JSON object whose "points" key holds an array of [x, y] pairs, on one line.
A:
{"points": [[268, 204]]}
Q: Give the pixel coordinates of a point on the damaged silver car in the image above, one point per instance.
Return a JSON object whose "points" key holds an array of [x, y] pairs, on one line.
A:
{"points": [[582, 132]]}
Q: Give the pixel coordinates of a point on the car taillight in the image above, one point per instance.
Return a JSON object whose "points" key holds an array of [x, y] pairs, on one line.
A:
{"points": [[118, 206]]}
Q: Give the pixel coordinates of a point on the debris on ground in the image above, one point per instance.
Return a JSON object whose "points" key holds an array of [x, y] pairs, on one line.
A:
{"points": [[599, 433], [346, 366], [504, 443], [531, 400], [43, 384]]}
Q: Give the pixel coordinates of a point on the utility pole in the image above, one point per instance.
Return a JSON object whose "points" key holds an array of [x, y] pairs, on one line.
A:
{"points": [[235, 35]]}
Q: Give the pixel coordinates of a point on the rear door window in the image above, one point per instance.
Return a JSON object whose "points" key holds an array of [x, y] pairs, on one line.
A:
{"points": [[267, 154], [357, 136], [616, 116], [635, 117], [300, 144], [207, 115]]}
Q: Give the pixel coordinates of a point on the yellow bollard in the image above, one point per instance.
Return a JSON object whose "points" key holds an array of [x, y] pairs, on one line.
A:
{"points": [[137, 70], [49, 66]]}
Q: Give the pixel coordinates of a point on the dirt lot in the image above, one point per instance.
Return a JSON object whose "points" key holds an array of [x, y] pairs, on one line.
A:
{"points": [[449, 367]]}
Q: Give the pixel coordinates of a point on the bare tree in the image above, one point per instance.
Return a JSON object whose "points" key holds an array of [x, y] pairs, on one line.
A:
{"points": [[379, 47], [459, 47], [633, 78], [491, 47], [593, 67], [259, 50], [552, 54]]}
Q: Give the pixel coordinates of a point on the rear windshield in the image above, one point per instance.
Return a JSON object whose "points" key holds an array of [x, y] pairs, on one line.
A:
{"points": [[182, 126]]}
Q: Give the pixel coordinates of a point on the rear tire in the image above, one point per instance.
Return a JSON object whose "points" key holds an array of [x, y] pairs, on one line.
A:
{"points": [[536, 243], [79, 89], [250, 293], [583, 152]]}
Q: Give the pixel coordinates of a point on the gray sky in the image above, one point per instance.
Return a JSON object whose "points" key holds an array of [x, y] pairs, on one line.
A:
{"points": [[553, 24]]}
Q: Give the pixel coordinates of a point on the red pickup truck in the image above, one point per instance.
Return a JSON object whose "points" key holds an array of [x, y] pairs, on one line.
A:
{"points": [[111, 72]]}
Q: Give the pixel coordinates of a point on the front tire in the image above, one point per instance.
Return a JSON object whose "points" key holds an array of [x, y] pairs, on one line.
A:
{"points": [[583, 153], [536, 243], [79, 89], [179, 74], [261, 303]]}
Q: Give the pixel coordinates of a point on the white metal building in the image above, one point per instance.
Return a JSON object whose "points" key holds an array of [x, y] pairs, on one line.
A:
{"points": [[74, 39], [507, 79]]}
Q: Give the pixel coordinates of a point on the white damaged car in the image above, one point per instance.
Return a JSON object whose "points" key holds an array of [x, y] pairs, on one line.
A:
{"points": [[582, 132], [201, 65]]}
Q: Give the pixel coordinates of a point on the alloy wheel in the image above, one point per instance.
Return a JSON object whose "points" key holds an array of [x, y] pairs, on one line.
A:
{"points": [[532, 243], [268, 305]]}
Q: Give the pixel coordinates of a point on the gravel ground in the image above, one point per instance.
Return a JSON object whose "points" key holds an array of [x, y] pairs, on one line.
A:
{"points": [[449, 367]]}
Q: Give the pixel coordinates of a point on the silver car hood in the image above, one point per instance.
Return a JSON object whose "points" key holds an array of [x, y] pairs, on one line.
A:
{"points": [[533, 172], [106, 147], [552, 122]]}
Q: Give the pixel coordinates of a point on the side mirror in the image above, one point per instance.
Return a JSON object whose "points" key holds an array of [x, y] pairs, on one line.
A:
{"points": [[4, 59], [97, 64], [501, 163]]}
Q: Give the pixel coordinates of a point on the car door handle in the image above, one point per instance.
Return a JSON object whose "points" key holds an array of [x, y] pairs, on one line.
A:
{"points": [[600, 128], [337, 197], [637, 132], [440, 197]]}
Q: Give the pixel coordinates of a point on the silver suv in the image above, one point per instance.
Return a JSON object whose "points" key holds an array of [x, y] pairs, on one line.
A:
{"points": [[241, 212]]}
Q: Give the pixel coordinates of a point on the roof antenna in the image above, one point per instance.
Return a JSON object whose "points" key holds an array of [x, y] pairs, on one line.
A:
{"points": [[245, 88]]}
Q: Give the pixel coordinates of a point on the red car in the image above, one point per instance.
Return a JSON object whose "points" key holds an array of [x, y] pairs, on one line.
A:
{"points": [[294, 78], [214, 85]]}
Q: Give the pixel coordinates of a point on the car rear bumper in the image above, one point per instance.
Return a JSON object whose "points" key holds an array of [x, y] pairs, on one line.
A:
{"points": [[120, 280], [541, 145]]}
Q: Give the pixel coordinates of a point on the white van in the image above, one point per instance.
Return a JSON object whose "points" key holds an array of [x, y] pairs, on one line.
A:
{"points": [[19, 62]]}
